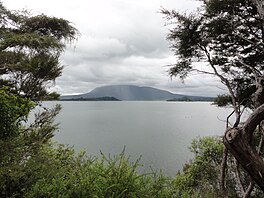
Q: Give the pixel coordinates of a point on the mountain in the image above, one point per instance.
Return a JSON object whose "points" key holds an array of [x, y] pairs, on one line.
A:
{"points": [[130, 93]]}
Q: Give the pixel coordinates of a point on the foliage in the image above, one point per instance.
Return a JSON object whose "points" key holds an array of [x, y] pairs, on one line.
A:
{"points": [[19, 151], [201, 177], [30, 47], [63, 174], [201, 174], [222, 100], [52, 96], [32, 166], [79, 176], [59, 172], [227, 37], [13, 110]]}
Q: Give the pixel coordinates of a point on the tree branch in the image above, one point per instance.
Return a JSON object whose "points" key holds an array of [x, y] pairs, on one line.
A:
{"points": [[253, 121], [256, 72], [249, 189], [223, 172], [225, 82], [238, 179]]}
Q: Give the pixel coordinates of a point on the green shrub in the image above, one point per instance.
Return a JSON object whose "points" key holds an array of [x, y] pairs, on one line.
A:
{"points": [[80, 176]]}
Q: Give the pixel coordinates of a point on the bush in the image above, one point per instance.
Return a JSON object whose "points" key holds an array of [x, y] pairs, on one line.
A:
{"points": [[67, 175], [199, 178]]}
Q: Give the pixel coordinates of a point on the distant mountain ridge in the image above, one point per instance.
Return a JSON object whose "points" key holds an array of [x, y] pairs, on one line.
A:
{"points": [[131, 93]]}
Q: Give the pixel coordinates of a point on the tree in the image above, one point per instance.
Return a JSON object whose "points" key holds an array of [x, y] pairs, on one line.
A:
{"points": [[30, 47], [29, 51], [227, 36], [199, 177], [222, 100]]}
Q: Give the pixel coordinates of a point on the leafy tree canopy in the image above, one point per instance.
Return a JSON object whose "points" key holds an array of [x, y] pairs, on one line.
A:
{"points": [[227, 37], [30, 47]]}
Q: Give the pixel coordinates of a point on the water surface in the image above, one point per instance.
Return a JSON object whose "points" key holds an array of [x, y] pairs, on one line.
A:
{"points": [[159, 131]]}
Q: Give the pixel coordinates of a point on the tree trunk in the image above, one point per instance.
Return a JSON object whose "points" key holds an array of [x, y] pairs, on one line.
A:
{"points": [[223, 173], [249, 159], [238, 141]]}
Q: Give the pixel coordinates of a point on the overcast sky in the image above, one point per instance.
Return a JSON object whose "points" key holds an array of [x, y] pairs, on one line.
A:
{"points": [[121, 42]]}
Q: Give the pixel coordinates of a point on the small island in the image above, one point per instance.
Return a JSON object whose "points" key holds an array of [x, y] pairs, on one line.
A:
{"points": [[106, 98], [192, 99]]}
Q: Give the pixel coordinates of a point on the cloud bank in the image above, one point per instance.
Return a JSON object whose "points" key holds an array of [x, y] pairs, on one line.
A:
{"points": [[121, 42]]}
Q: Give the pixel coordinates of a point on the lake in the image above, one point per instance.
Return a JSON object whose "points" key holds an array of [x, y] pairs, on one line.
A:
{"points": [[159, 131]]}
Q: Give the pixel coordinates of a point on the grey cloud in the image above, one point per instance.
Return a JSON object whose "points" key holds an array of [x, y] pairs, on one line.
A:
{"points": [[122, 42]]}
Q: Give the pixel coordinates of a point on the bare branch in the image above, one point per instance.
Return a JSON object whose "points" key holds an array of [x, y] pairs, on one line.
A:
{"points": [[223, 172], [203, 72], [249, 189], [238, 179], [225, 82]]}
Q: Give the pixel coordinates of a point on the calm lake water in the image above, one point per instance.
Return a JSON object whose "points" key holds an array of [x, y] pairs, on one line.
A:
{"points": [[159, 131]]}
